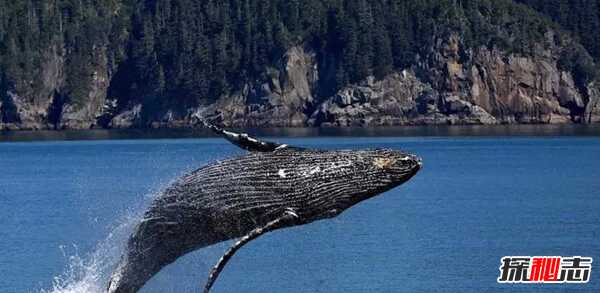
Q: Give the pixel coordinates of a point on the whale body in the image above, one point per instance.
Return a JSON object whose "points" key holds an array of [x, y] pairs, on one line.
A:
{"points": [[240, 196]]}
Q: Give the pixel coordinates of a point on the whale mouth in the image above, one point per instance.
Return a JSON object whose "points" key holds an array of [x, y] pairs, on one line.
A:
{"points": [[409, 161], [405, 168]]}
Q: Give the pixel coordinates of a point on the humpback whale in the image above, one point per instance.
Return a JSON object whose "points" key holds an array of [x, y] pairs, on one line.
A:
{"points": [[273, 186]]}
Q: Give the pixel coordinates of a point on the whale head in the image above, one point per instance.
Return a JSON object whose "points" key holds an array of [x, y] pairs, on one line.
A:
{"points": [[342, 179]]}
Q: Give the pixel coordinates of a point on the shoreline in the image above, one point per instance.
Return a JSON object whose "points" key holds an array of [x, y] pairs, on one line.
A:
{"points": [[508, 130]]}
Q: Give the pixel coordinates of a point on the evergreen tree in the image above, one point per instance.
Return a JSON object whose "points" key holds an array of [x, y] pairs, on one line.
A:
{"points": [[179, 53]]}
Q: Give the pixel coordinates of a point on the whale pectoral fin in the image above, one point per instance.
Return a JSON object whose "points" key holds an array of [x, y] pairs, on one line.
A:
{"points": [[245, 141], [287, 217]]}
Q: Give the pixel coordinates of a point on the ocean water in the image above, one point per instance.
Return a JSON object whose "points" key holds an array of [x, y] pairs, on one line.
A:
{"points": [[66, 208]]}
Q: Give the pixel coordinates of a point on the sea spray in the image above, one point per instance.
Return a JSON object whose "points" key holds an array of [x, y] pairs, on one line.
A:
{"points": [[89, 274]]}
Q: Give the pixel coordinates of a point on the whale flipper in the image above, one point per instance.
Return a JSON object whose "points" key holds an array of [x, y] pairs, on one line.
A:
{"points": [[244, 141], [288, 216]]}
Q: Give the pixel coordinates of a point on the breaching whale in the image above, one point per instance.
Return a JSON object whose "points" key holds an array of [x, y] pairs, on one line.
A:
{"points": [[273, 186]]}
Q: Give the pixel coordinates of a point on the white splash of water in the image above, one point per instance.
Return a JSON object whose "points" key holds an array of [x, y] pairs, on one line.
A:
{"points": [[90, 274]]}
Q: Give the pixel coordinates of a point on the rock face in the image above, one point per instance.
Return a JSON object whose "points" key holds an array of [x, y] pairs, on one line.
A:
{"points": [[398, 99], [283, 100], [85, 114], [592, 109], [509, 87], [465, 86], [47, 106], [449, 84]]}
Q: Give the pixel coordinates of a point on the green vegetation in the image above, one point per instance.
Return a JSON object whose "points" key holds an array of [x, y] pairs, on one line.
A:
{"points": [[582, 18], [179, 53], [36, 32], [206, 48]]}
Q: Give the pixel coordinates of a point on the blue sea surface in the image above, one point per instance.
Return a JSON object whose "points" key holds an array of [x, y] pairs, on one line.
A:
{"points": [[66, 208]]}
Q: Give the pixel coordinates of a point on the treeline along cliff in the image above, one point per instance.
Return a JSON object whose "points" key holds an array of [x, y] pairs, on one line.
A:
{"points": [[81, 64]]}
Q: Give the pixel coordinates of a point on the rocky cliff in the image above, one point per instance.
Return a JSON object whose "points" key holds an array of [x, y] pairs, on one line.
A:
{"points": [[460, 85], [454, 85], [448, 81], [46, 107]]}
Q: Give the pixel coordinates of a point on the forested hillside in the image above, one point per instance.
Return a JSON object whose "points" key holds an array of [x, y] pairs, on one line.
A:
{"points": [[582, 17], [125, 63]]}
